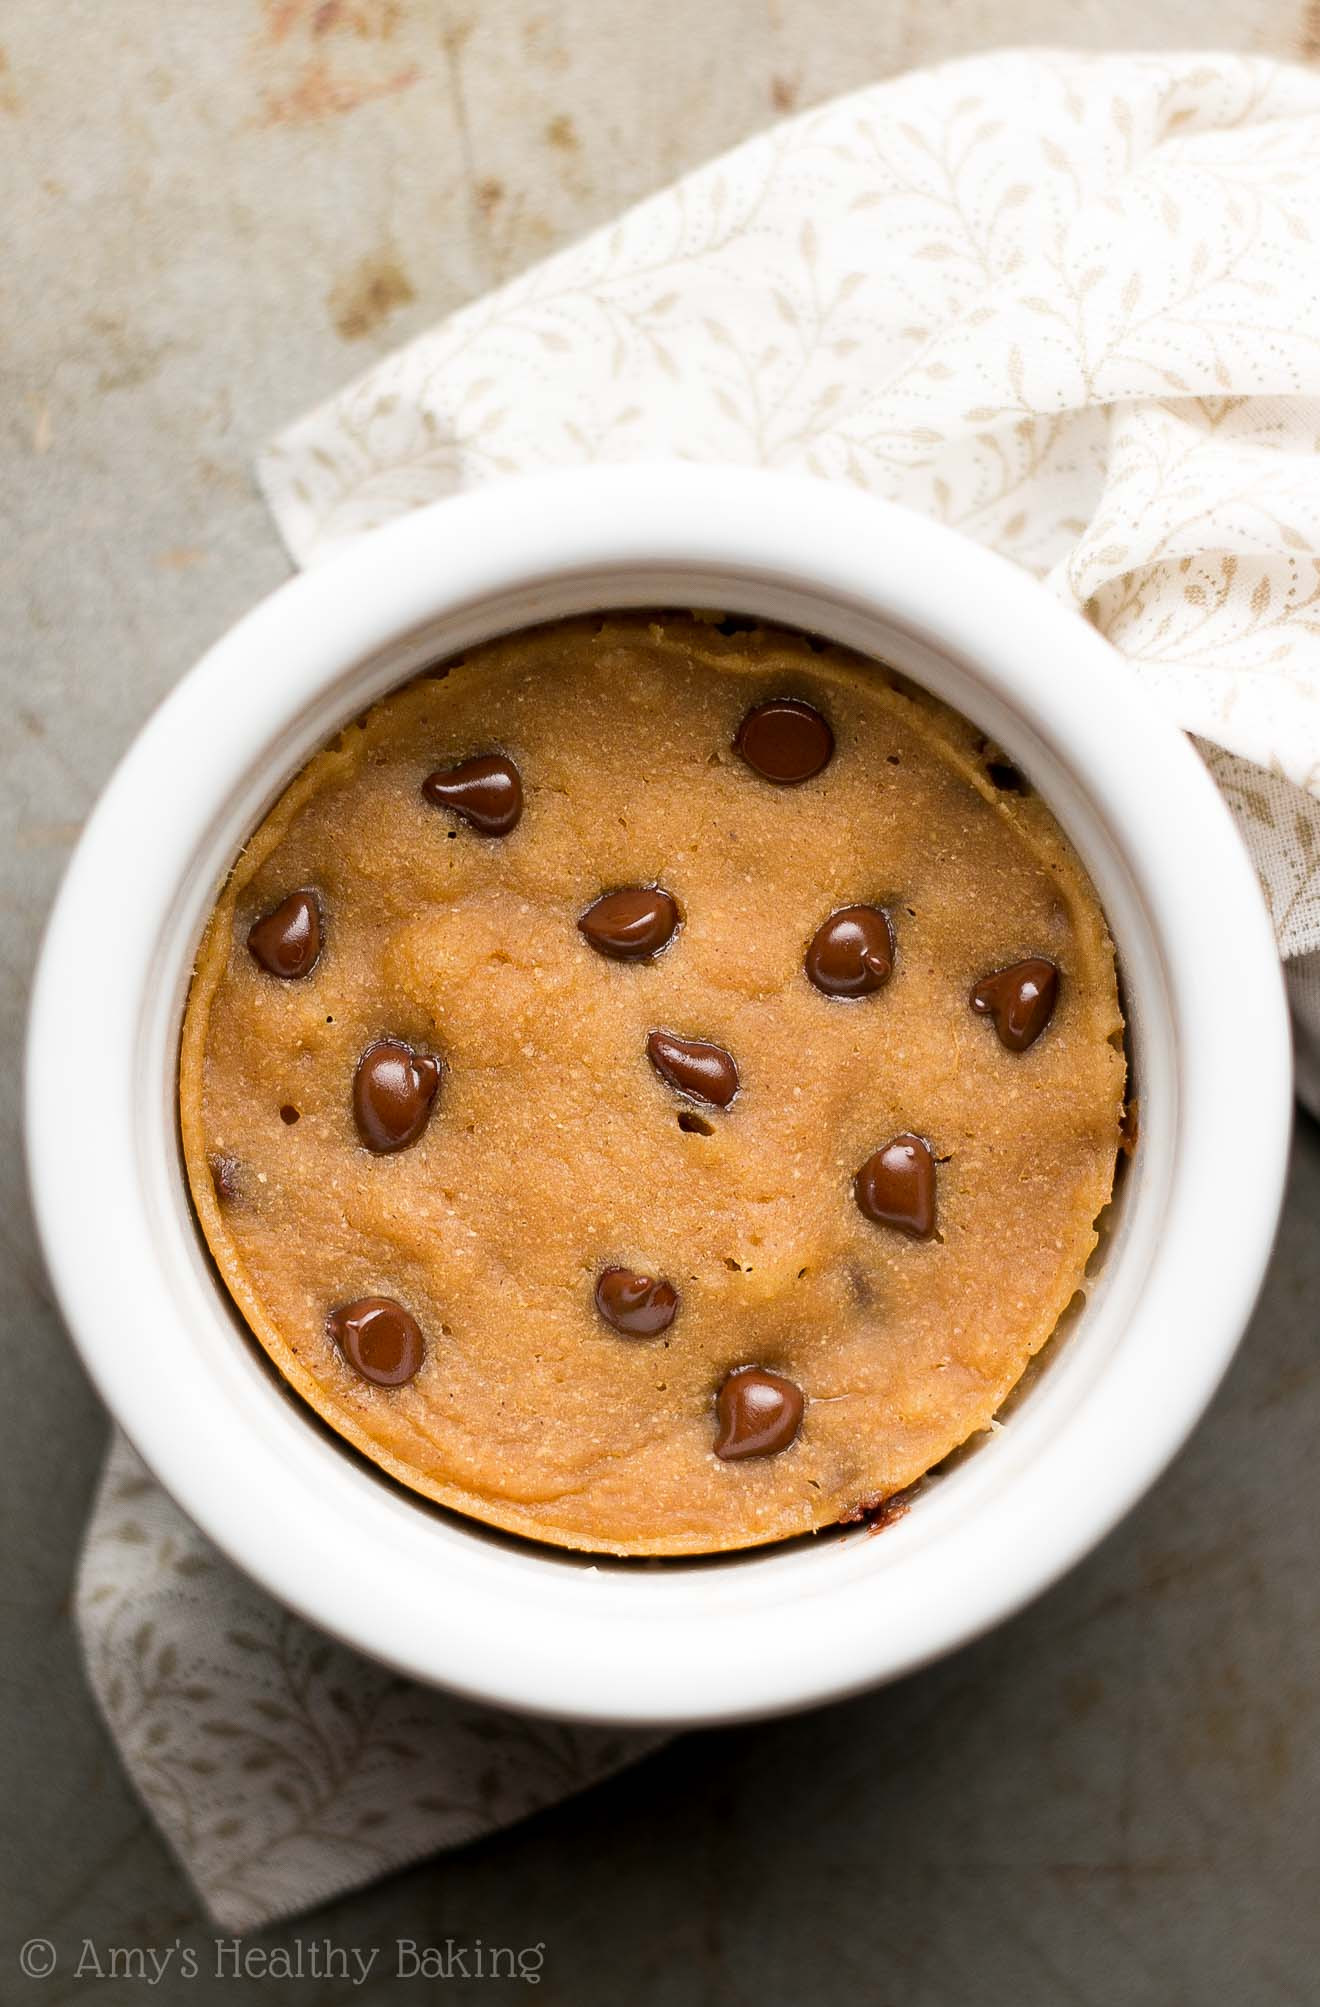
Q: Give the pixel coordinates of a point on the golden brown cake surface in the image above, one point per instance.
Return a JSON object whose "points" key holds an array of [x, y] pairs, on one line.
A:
{"points": [[885, 1205]]}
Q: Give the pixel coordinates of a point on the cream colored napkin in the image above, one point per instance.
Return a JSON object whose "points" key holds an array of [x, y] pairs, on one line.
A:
{"points": [[1067, 305]]}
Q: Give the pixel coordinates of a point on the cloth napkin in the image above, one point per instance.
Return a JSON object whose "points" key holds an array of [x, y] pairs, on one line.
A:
{"points": [[1066, 304]]}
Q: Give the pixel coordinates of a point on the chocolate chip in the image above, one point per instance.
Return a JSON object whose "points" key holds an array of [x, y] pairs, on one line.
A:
{"points": [[759, 1414], [632, 925], [1006, 777], [287, 940], [852, 953], [1020, 999], [785, 741], [227, 1177], [896, 1187], [379, 1339], [879, 1509], [640, 1306], [393, 1092], [701, 1071], [486, 791]]}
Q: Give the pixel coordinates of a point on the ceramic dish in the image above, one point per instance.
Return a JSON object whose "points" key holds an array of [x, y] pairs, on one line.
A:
{"points": [[439, 1597]]}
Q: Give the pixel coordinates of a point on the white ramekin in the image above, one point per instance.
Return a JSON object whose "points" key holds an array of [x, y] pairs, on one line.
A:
{"points": [[437, 1596]]}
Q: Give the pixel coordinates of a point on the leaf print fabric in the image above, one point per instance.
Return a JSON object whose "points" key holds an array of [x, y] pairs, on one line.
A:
{"points": [[281, 1767]]}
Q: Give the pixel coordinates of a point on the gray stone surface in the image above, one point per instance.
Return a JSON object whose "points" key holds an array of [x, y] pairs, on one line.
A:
{"points": [[216, 210]]}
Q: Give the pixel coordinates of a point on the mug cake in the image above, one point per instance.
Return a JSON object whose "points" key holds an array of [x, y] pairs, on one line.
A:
{"points": [[650, 1084]]}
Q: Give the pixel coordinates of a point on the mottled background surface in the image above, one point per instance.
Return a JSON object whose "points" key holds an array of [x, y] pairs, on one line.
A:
{"points": [[215, 211]]}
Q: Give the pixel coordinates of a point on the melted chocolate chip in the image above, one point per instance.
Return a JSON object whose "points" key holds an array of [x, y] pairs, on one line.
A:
{"points": [[896, 1187], [393, 1092], [632, 925], [287, 940], [879, 1509], [485, 791], [785, 741], [1006, 777], [227, 1177], [379, 1339], [1020, 999], [640, 1306], [701, 1071], [852, 953], [759, 1414]]}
